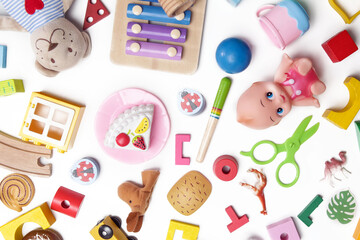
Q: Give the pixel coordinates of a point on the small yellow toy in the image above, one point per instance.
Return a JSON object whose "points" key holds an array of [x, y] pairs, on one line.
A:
{"points": [[344, 117], [51, 121], [9, 87], [41, 215], [339, 9], [190, 231], [110, 228]]}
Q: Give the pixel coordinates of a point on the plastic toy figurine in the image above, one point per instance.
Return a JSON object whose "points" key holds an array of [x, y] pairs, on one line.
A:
{"points": [[333, 166], [258, 188], [264, 104]]}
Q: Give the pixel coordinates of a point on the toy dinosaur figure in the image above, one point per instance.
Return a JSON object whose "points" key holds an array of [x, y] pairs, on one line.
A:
{"points": [[333, 166], [258, 188], [138, 198]]}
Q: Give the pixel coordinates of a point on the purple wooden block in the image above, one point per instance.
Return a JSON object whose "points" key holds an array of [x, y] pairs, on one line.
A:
{"points": [[156, 32], [154, 50], [284, 229]]}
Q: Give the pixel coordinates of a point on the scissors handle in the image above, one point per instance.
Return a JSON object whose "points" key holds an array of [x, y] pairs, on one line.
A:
{"points": [[290, 161], [251, 152]]}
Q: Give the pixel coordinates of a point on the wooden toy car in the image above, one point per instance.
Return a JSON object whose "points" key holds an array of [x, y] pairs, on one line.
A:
{"points": [[110, 228]]}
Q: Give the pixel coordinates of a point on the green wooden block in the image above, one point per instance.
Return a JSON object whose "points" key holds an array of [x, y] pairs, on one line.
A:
{"points": [[357, 127], [304, 216], [11, 86]]}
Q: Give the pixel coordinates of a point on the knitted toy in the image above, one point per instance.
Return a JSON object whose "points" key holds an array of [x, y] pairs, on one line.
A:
{"points": [[56, 42]]}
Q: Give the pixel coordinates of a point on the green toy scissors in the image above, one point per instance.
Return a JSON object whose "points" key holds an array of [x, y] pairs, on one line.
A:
{"points": [[290, 146]]}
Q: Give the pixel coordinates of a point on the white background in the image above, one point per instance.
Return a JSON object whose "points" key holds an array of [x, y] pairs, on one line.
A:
{"points": [[95, 78]]}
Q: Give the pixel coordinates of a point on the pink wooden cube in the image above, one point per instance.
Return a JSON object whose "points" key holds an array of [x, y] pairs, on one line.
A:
{"points": [[284, 229]]}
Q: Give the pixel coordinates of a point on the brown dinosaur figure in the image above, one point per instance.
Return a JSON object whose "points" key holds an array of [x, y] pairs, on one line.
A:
{"points": [[138, 198]]}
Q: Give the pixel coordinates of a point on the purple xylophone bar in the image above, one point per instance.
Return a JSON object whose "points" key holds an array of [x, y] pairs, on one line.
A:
{"points": [[156, 32], [154, 50]]}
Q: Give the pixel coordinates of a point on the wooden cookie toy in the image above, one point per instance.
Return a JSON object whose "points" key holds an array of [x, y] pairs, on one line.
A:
{"points": [[189, 193], [17, 191], [40, 234]]}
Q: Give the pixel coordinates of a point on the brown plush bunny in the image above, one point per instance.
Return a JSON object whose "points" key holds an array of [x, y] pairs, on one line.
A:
{"points": [[56, 42], [138, 198]]}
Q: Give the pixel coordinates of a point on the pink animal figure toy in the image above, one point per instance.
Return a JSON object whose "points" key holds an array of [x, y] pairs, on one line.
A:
{"points": [[258, 188], [334, 166], [264, 104]]}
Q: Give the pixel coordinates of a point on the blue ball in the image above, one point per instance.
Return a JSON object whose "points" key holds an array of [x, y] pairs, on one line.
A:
{"points": [[233, 55]]}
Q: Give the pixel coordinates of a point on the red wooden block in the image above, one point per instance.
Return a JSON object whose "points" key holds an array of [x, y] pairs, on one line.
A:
{"points": [[95, 12], [236, 221], [67, 201], [340, 46]]}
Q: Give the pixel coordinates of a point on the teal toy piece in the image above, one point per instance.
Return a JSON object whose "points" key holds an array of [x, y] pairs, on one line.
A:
{"points": [[304, 216], [290, 146]]}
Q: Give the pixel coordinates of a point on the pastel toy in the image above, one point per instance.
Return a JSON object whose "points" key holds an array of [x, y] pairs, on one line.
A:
{"points": [[189, 193], [95, 12], [342, 207], [67, 201], [335, 4], [284, 229], [3, 56], [234, 3], [138, 198], [233, 55], [110, 228], [284, 22], [16, 191], [56, 42], [179, 140], [85, 171], [190, 231], [225, 167], [334, 166], [357, 129], [264, 104], [175, 7], [340, 46], [344, 117], [236, 222], [131, 129], [304, 216], [258, 188], [11, 86], [191, 102], [40, 234]]}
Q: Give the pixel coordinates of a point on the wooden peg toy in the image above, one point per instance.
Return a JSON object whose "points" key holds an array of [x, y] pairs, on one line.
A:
{"points": [[67, 201], [95, 12], [339, 9], [236, 222], [344, 117], [3, 56], [304, 216], [23, 157], [225, 167], [284, 229], [41, 215], [179, 140], [110, 228], [340, 46], [357, 129], [9, 87], [190, 231], [51, 121]]}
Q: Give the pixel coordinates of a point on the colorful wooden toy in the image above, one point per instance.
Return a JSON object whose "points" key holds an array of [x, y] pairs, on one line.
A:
{"points": [[41, 215], [85, 171], [179, 140], [356, 234], [189, 193], [95, 12], [110, 228], [214, 117], [51, 121], [16, 191], [284, 229], [340, 46], [134, 30], [236, 222], [334, 166], [23, 157], [11, 86], [190, 231], [191, 102], [41, 234], [342, 207], [67, 201], [304, 216], [225, 167], [357, 129], [344, 117], [174, 8], [3, 56], [339, 9]]}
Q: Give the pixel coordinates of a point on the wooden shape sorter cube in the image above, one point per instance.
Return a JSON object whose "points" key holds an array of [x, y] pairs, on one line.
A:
{"points": [[135, 32], [41, 215], [51, 121], [190, 231], [284, 229]]}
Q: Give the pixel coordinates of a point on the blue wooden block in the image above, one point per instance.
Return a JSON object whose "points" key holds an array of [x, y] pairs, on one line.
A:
{"points": [[3, 56]]}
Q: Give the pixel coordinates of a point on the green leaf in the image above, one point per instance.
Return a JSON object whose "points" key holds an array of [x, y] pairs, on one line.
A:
{"points": [[341, 207]]}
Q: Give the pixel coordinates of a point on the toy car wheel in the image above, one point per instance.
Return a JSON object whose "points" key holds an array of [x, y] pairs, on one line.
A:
{"points": [[132, 238], [116, 220], [105, 232]]}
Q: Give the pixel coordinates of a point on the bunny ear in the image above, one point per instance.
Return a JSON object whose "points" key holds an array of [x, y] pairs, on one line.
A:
{"points": [[88, 44], [45, 71]]}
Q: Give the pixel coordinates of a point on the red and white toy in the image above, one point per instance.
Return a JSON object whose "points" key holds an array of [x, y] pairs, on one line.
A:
{"points": [[85, 171], [191, 102]]}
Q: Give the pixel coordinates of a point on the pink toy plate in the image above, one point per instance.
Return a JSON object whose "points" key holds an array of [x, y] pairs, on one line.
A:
{"points": [[118, 103]]}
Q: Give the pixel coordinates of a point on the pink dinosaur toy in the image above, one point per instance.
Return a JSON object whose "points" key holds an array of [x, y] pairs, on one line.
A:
{"points": [[333, 166], [264, 104]]}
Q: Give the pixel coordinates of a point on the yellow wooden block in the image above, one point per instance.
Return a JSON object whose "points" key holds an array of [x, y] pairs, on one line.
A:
{"points": [[51, 121], [41, 215], [107, 229], [344, 117], [190, 231], [356, 234], [11, 86]]}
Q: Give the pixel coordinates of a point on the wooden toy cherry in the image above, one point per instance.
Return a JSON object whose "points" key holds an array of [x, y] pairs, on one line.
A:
{"points": [[67, 201], [340, 46]]}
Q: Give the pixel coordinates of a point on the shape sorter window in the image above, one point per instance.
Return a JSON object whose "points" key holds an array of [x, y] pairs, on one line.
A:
{"points": [[48, 121]]}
